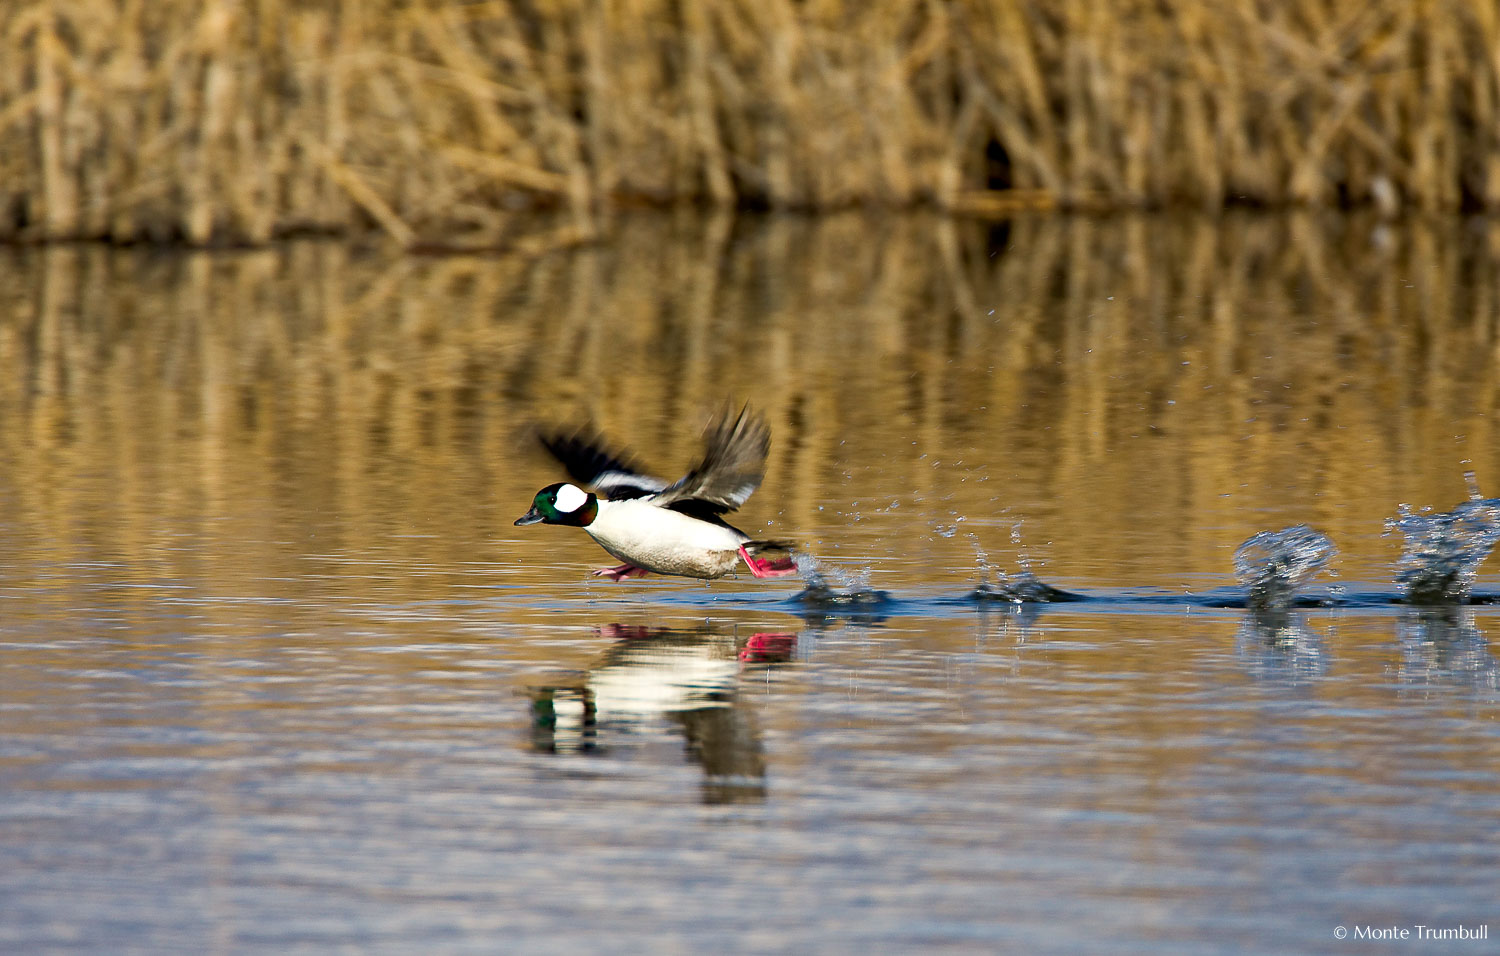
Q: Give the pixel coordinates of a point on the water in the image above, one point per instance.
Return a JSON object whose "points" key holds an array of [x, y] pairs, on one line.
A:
{"points": [[277, 672], [1273, 565], [1442, 552]]}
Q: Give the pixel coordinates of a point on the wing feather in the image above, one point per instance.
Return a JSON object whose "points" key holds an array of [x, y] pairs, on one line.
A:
{"points": [[735, 448], [588, 461]]}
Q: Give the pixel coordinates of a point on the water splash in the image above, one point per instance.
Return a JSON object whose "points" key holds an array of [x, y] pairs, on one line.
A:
{"points": [[829, 588], [1023, 587], [981, 559], [1272, 565], [1021, 556], [1442, 552]]}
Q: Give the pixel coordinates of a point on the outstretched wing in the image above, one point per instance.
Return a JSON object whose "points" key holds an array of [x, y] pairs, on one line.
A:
{"points": [[590, 463], [734, 462]]}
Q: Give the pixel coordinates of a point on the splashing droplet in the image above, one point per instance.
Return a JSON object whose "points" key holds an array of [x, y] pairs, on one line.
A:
{"points": [[832, 587], [1018, 589], [981, 560], [1441, 552], [1022, 558], [1272, 565]]}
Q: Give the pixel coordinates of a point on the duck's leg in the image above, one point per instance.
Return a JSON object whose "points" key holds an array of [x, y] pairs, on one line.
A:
{"points": [[766, 567], [621, 571]]}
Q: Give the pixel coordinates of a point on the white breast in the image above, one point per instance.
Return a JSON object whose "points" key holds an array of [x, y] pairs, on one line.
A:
{"points": [[665, 541]]}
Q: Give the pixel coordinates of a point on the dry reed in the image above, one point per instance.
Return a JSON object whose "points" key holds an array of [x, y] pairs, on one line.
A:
{"points": [[438, 122]]}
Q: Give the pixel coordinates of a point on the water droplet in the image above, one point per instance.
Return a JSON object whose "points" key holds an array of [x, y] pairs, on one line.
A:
{"points": [[1272, 565], [1441, 553]]}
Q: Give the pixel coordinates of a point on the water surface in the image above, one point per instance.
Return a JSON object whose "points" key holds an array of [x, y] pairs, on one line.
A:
{"points": [[277, 672]]}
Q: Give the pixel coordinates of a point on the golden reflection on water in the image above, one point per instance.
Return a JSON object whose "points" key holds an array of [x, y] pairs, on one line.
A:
{"points": [[269, 438], [1142, 393]]}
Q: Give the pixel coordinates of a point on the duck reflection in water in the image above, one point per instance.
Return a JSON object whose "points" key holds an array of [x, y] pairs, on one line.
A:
{"points": [[684, 678]]}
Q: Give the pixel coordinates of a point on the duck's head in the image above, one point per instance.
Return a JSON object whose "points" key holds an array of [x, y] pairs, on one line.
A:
{"points": [[562, 503]]}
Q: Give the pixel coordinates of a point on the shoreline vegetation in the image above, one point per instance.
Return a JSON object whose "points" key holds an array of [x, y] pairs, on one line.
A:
{"points": [[448, 125]]}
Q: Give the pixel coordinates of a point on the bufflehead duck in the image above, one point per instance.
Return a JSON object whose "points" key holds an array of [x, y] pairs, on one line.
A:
{"points": [[656, 527]]}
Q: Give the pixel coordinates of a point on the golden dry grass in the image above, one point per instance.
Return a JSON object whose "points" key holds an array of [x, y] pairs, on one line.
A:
{"points": [[439, 121]]}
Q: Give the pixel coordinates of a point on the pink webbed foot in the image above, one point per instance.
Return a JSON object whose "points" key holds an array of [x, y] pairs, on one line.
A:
{"points": [[621, 571], [767, 567]]}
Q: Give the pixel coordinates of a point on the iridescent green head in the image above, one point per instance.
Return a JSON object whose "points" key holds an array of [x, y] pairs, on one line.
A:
{"points": [[562, 503]]}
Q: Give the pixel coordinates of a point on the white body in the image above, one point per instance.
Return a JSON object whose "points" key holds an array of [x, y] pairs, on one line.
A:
{"points": [[665, 541]]}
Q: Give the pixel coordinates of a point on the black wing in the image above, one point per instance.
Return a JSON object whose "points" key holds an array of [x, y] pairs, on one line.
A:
{"points": [[593, 466], [733, 465]]}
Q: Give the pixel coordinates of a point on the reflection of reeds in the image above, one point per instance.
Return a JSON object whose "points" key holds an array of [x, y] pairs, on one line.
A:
{"points": [[1086, 374], [435, 122]]}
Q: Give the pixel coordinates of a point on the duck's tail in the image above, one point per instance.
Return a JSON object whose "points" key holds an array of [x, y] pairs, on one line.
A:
{"points": [[770, 544]]}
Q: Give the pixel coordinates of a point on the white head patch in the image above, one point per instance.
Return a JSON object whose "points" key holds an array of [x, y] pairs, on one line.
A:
{"points": [[569, 499]]}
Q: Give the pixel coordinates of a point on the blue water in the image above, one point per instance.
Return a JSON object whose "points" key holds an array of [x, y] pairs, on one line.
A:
{"points": [[375, 776]]}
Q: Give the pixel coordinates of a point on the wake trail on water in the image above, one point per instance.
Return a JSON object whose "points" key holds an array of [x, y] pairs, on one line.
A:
{"points": [[1438, 565]]}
